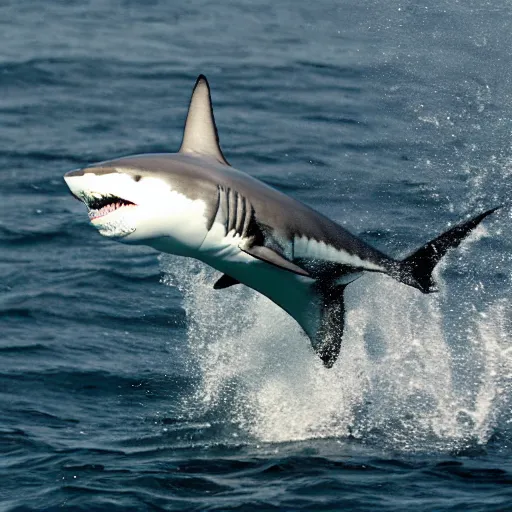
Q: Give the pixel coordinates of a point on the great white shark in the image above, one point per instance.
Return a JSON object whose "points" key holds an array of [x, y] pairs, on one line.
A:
{"points": [[194, 203]]}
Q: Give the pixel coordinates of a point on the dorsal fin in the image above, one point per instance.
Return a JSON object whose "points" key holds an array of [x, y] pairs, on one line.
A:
{"points": [[200, 135]]}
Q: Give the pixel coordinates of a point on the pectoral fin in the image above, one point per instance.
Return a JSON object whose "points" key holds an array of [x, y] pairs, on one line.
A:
{"points": [[225, 281], [268, 255]]}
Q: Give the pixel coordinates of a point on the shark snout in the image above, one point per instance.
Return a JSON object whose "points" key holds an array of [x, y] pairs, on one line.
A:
{"points": [[72, 182], [75, 172]]}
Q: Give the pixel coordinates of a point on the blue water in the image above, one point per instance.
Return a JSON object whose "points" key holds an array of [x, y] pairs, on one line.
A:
{"points": [[128, 383]]}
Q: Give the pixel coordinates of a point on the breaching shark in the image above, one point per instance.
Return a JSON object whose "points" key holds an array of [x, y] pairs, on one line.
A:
{"points": [[193, 203]]}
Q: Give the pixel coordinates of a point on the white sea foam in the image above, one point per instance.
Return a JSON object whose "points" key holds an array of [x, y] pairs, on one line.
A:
{"points": [[412, 374]]}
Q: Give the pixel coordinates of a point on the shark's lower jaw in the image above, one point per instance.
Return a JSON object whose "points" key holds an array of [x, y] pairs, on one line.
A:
{"points": [[114, 229]]}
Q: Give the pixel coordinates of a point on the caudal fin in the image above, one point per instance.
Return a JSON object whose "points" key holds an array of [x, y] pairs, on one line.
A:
{"points": [[416, 270]]}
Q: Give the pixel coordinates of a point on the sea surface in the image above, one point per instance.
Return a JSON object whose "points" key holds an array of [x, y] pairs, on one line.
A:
{"points": [[128, 384]]}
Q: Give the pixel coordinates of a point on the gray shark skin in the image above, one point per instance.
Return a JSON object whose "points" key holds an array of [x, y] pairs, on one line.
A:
{"points": [[193, 203]]}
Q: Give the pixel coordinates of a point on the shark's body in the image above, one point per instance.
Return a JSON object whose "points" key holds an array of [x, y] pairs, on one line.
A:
{"points": [[193, 203]]}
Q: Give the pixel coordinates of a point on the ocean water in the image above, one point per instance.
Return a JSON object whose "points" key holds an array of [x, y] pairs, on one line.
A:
{"points": [[128, 383]]}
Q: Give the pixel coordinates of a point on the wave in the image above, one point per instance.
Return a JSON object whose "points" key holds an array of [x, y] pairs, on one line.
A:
{"points": [[411, 376]]}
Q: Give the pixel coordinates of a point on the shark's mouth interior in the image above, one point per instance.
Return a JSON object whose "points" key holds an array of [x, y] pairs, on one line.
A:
{"points": [[101, 206]]}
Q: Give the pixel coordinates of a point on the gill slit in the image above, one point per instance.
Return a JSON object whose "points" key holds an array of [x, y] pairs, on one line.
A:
{"points": [[233, 211]]}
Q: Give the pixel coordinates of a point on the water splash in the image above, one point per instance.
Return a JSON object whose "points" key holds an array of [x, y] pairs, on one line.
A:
{"points": [[413, 375]]}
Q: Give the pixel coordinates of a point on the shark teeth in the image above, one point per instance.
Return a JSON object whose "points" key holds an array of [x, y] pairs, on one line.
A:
{"points": [[99, 206]]}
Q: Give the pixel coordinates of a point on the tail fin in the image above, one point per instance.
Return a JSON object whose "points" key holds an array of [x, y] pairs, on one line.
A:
{"points": [[416, 270]]}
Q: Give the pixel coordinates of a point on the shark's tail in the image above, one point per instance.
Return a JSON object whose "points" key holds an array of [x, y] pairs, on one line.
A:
{"points": [[416, 270]]}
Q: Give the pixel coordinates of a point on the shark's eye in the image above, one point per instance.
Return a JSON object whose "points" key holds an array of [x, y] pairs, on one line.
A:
{"points": [[137, 177]]}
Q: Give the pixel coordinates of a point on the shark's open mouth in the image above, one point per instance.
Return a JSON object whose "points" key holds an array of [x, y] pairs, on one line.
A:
{"points": [[103, 205]]}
